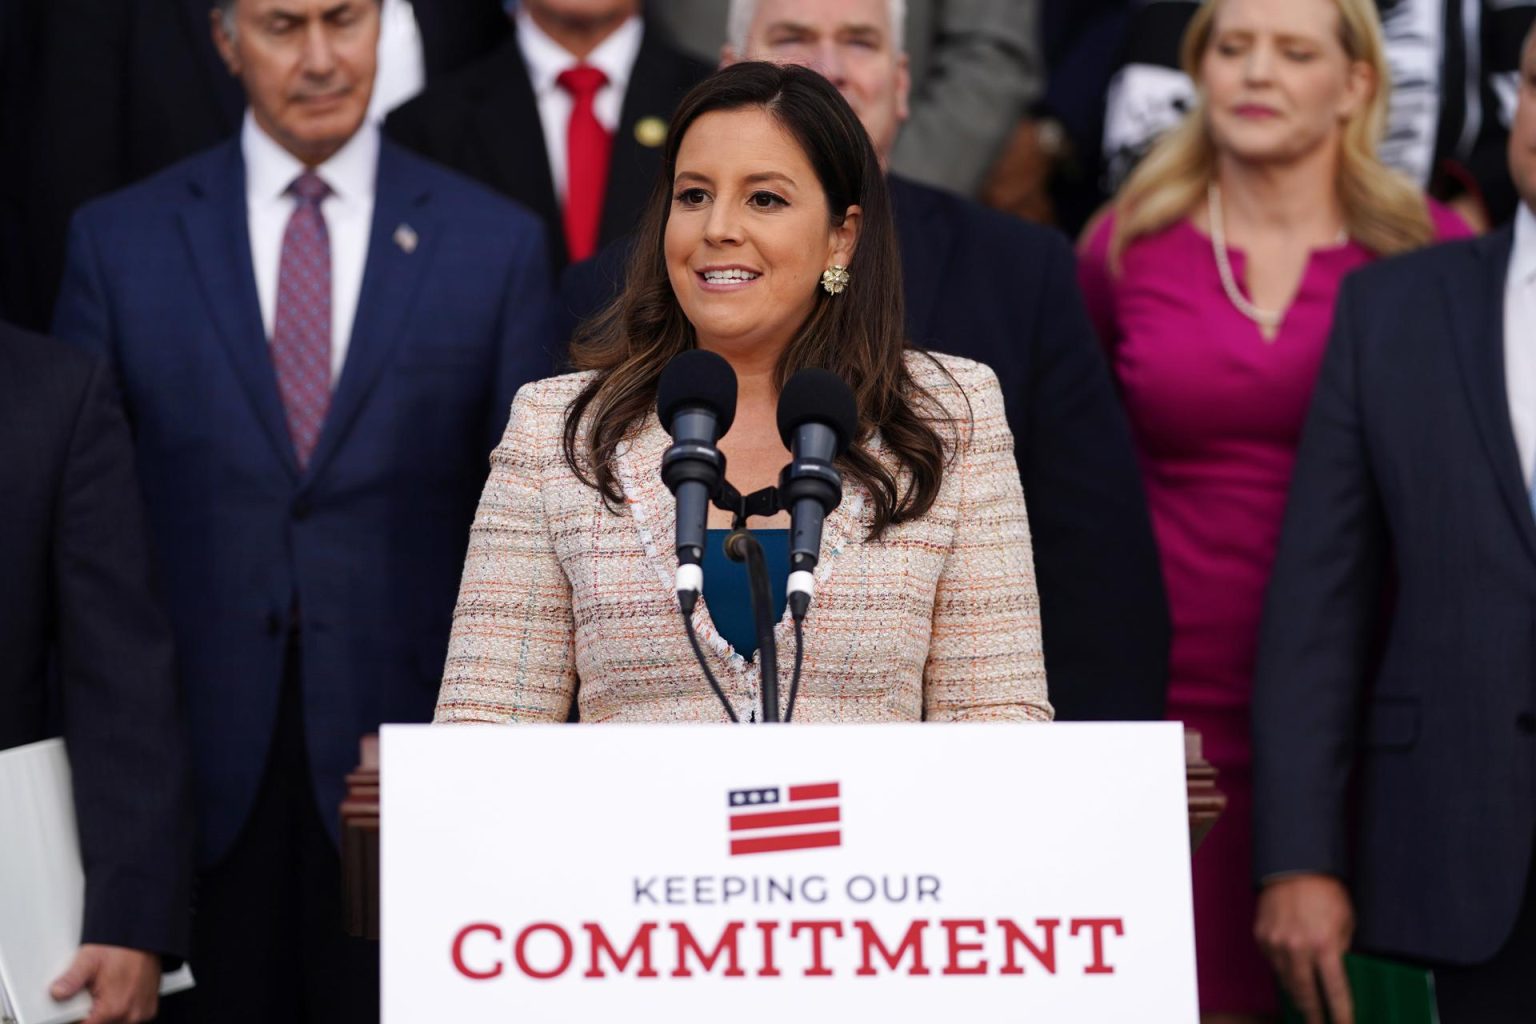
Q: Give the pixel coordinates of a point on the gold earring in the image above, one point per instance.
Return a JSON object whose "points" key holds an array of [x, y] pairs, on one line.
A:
{"points": [[835, 279]]}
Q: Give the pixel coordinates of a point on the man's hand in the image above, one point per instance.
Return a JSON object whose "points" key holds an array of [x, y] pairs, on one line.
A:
{"points": [[124, 984], [1304, 925]]}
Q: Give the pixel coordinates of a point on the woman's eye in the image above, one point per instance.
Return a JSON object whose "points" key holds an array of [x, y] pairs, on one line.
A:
{"points": [[1300, 56], [691, 196], [765, 201], [1228, 49]]}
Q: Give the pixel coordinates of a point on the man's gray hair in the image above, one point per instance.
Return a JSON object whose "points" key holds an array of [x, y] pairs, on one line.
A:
{"points": [[739, 24]]}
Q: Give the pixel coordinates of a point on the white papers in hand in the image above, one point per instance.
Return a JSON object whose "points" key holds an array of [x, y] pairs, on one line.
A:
{"points": [[42, 887]]}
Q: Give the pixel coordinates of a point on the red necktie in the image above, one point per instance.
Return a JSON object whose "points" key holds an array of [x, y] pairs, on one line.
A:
{"points": [[587, 146], [301, 328]]}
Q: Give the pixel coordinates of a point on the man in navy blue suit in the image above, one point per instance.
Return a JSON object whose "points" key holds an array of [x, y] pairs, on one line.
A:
{"points": [[990, 287], [318, 337], [1414, 721]]}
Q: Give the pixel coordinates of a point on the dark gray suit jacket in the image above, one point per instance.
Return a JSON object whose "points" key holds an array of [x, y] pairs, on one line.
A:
{"points": [[85, 645], [1419, 710]]}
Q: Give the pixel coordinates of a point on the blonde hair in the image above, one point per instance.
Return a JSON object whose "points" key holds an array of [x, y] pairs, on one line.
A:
{"points": [[1383, 210]]}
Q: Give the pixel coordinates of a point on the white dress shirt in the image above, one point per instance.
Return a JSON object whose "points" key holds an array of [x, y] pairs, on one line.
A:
{"points": [[402, 67], [1520, 340], [351, 174], [545, 58]]}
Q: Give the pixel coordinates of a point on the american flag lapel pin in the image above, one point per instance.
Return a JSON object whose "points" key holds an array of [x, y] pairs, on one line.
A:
{"points": [[405, 238]]}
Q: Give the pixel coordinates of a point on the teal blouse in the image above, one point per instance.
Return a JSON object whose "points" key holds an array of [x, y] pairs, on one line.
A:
{"points": [[727, 592]]}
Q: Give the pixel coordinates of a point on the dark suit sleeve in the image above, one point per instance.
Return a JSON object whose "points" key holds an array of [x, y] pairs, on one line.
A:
{"points": [[1324, 597], [121, 722], [528, 347], [1103, 609]]}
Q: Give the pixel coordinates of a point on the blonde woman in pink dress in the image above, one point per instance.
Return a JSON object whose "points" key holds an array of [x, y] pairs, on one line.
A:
{"points": [[1212, 284]]}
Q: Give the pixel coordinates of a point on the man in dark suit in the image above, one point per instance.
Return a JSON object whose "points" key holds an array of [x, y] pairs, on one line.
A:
{"points": [[87, 648], [1415, 469], [319, 336], [124, 89], [567, 117], [989, 287]]}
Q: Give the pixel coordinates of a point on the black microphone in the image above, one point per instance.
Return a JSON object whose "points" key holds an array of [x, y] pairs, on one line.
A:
{"points": [[696, 402], [818, 418]]}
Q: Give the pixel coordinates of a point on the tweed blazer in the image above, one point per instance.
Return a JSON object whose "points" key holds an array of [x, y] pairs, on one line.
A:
{"points": [[566, 599]]}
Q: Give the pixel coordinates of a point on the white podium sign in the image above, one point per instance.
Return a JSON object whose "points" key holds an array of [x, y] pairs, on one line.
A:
{"points": [[809, 873]]}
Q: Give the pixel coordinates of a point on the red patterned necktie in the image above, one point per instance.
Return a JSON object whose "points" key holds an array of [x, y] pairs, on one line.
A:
{"points": [[301, 328], [587, 146]]}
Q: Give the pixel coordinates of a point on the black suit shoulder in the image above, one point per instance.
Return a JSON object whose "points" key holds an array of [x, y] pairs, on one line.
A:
{"points": [[978, 225], [1386, 303], [671, 67], [1422, 266], [450, 95], [30, 354], [42, 377]]}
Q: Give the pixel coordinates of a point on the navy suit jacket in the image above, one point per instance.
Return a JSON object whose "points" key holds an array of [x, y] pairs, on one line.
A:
{"points": [[1407, 468], [368, 543], [87, 646], [990, 287]]}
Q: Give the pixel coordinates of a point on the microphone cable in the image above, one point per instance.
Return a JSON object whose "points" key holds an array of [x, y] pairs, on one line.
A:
{"points": [[794, 680], [714, 684]]}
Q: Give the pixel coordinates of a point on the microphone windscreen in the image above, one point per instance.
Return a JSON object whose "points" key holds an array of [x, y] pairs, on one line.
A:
{"points": [[818, 396], [695, 378]]}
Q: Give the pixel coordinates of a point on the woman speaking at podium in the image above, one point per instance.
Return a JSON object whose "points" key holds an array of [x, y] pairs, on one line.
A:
{"points": [[768, 241]]}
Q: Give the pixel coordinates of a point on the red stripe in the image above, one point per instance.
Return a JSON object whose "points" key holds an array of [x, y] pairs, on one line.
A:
{"points": [[775, 819], [776, 844], [820, 791]]}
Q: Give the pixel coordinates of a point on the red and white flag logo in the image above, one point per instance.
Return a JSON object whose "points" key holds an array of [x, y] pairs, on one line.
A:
{"points": [[772, 819]]}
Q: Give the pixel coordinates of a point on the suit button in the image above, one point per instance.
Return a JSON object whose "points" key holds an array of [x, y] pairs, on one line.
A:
{"points": [[1526, 723], [300, 510]]}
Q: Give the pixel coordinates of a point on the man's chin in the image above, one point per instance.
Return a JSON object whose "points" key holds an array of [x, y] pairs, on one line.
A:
{"points": [[323, 134]]}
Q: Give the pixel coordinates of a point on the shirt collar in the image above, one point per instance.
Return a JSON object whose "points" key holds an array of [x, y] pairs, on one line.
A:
{"points": [[614, 56], [1522, 260], [351, 172]]}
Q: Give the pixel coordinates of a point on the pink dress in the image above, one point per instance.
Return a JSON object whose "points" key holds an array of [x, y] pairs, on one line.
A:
{"points": [[1217, 413]]}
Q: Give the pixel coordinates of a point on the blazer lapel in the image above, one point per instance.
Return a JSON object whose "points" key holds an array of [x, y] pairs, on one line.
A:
{"points": [[925, 237], [507, 129], [391, 280], [1479, 332], [218, 235]]}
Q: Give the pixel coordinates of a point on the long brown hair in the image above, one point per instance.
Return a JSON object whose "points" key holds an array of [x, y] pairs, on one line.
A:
{"points": [[1383, 210], [858, 335]]}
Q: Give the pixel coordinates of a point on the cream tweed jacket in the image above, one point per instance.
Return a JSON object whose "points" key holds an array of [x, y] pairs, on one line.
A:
{"points": [[564, 599]]}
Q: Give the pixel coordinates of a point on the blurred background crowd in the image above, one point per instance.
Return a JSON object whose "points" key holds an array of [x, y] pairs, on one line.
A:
{"points": [[1035, 107]]}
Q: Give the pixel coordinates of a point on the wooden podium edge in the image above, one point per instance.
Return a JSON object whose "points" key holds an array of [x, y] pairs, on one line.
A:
{"points": [[360, 827]]}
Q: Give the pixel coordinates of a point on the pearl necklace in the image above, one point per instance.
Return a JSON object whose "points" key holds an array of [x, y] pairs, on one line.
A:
{"points": [[1267, 319]]}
